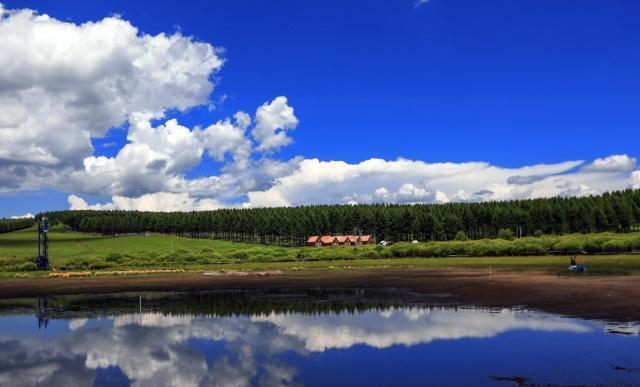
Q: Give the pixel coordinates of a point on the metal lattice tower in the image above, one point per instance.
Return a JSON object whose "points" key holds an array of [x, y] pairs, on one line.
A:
{"points": [[43, 244]]}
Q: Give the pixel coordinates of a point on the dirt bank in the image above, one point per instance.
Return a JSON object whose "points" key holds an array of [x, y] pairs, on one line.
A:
{"points": [[606, 297]]}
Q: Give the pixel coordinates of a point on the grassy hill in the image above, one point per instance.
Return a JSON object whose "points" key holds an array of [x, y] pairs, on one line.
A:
{"points": [[77, 251]]}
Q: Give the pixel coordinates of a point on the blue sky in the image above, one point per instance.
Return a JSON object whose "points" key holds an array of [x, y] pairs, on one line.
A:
{"points": [[509, 83]]}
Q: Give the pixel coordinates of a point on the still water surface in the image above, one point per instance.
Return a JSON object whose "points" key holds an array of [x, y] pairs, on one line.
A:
{"points": [[350, 338]]}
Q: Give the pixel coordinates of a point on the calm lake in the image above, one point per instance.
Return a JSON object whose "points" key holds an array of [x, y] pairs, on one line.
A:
{"points": [[311, 338]]}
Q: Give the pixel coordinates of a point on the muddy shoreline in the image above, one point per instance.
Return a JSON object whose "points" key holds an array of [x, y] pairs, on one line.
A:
{"points": [[587, 296]]}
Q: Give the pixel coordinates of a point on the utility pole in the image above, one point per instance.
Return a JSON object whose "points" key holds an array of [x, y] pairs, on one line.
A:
{"points": [[42, 261]]}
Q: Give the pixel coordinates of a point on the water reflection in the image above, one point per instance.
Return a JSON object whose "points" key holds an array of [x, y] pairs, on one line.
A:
{"points": [[233, 339], [409, 326]]}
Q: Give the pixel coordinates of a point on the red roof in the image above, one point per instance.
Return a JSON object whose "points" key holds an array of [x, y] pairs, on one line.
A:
{"points": [[327, 239]]}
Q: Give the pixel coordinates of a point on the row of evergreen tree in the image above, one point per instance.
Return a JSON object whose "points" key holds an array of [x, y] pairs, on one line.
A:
{"points": [[616, 211], [8, 225]]}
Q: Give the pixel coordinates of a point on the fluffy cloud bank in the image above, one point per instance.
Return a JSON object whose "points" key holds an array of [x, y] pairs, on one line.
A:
{"points": [[634, 182], [25, 216], [64, 84], [613, 163], [150, 202], [411, 181], [312, 181]]}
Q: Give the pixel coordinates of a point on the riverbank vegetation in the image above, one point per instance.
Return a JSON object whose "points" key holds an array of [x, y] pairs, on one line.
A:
{"points": [[74, 251], [291, 226]]}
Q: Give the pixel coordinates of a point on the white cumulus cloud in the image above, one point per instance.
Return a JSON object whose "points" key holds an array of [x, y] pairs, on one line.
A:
{"points": [[613, 163], [407, 181], [635, 180], [28, 215], [158, 201], [272, 121], [63, 83]]}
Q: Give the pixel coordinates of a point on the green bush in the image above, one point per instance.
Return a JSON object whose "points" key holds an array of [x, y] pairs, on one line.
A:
{"points": [[445, 249], [259, 258], [27, 266], [401, 250], [503, 247], [569, 244], [114, 257], [423, 250], [461, 236], [524, 246], [171, 257], [368, 253], [188, 258], [634, 243], [478, 248], [505, 233], [617, 245], [592, 246], [241, 255], [385, 253], [97, 265]]}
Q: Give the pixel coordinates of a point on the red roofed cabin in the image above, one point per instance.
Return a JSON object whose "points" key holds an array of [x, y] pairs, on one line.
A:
{"points": [[314, 240], [366, 239], [329, 240], [340, 240]]}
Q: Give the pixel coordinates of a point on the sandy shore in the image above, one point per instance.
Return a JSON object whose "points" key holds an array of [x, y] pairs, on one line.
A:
{"points": [[606, 297]]}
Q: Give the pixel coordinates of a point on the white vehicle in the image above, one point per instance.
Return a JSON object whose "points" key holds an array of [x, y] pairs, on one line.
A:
{"points": [[383, 243], [415, 241]]}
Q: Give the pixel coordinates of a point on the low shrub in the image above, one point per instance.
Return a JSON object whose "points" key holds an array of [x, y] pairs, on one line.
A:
{"points": [[592, 246], [634, 243], [114, 257], [27, 266], [505, 233], [171, 257], [368, 253], [97, 265], [259, 258], [569, 245], [523, 246], [617, 245], [401, 250], [461, 236], [240, 255]]}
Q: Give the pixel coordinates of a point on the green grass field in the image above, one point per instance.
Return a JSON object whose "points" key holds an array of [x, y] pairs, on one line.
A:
{"points": [[75, 251]]}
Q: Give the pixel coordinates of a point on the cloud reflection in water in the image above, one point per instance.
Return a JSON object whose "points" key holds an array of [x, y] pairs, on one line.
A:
{"points": [[152, 349]]}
